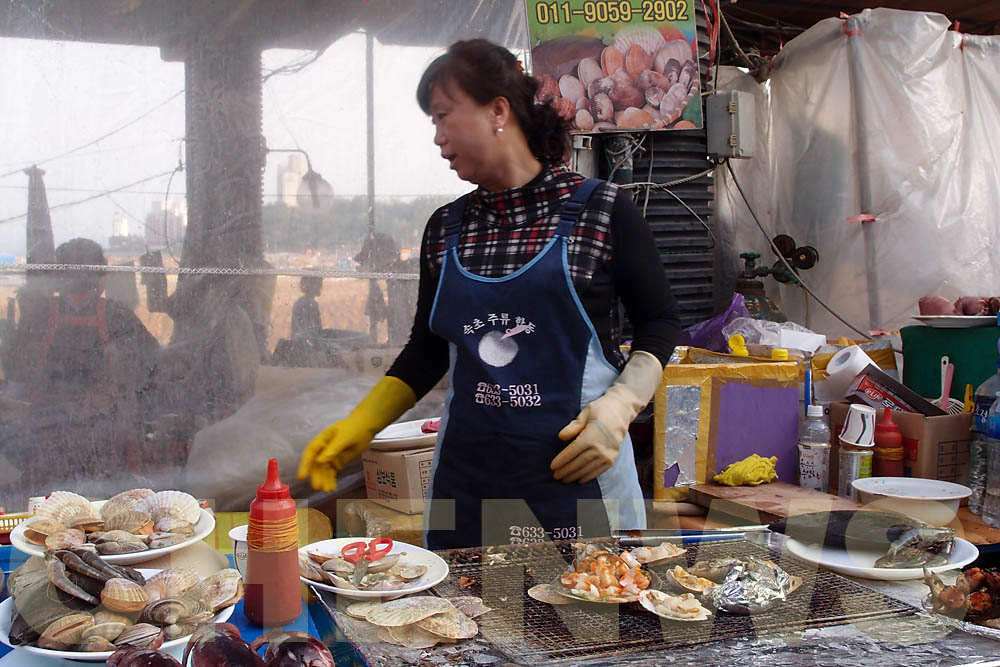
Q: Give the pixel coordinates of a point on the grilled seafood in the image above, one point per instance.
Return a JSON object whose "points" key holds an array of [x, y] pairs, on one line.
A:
{"points": [[974, 597], [919, 547], [605, 577]]}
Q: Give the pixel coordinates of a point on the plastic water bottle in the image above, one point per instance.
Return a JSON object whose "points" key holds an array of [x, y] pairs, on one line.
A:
{"points": [[991, 499], [986, 395], [814, 450]]}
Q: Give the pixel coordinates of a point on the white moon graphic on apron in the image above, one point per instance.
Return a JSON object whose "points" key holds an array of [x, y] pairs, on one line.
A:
{"points": [[496, 350]]}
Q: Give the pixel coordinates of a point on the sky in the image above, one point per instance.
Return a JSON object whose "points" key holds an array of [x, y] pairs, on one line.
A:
{"points": [[58, 96]]}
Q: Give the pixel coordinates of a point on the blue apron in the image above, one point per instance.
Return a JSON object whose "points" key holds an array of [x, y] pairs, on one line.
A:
{"points": [[524, 360]]}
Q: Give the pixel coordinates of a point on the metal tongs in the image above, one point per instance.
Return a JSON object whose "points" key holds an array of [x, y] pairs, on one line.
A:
{"points": [[363, 555], [654, 536]]}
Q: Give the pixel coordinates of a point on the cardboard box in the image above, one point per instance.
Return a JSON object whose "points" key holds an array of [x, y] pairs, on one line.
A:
{"points": [[707, 416], [936, 447], [398, 479]]}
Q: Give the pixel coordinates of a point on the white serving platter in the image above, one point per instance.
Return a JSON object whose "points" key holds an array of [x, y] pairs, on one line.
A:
{"points": [[956, 321], [861, 564], [404, 435], [33, 652], [202, 529], [437, 568]]}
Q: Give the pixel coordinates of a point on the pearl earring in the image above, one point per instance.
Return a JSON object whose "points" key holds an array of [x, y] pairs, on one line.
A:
{"points": [[499, 130]]}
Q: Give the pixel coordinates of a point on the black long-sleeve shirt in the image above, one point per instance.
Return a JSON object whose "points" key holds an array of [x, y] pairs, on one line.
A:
{"points": [[612, 255]]}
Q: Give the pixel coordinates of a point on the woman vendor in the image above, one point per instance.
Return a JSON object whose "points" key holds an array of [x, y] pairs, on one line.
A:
{"points": [[519, 282]]}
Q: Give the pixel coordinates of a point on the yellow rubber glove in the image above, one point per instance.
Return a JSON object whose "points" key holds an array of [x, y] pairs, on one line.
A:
{"points": [[751, 471], [336, 445], [598, 431]]}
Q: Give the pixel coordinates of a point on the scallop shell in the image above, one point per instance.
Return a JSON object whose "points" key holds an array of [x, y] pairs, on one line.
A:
{"points": [[88, 524], [65, 539], [408, 610], [131, 521], [360, 609], [65, 507], [65, 632], [685, 581], [451, 625], [657, 601], [219, 590], [716, 569], [649, 40], [675, 49], [160, 540], [175, 504], [177, 580], [36, 531], [169, 524], [472, 607], [126, 500], [123, 595], [409, 636]]}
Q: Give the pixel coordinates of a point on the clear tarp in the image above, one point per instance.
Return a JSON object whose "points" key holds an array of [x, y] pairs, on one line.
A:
{"points": [[929, 102], [261, 213]]}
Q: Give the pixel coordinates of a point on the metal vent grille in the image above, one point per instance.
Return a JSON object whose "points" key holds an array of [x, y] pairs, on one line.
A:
{"points": [[530, 632]]}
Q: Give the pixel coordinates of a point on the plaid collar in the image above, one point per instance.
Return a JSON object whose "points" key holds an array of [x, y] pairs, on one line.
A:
{"points": [[525, 205]]}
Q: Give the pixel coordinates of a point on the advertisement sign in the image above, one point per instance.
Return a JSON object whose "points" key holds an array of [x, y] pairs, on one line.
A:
{"points": [[617, 65]]}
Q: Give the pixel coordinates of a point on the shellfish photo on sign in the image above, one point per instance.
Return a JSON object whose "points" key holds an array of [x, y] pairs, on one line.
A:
{"points": [[617, 64]]}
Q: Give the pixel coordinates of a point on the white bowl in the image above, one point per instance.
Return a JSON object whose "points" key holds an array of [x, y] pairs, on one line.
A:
{"points": [[930, 500]]}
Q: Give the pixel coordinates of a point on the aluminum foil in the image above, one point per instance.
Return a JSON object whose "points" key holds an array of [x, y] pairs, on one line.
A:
{"points": [[751, 587]]}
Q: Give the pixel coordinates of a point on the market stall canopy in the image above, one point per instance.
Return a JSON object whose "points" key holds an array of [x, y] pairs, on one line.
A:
{"points": [[292, 24]]}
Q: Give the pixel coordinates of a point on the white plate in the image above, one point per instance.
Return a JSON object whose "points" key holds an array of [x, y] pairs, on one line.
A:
{"points": [[437, 569], [862, 563], [405, 435], [7, 608], [202, 529], [956, 321]]}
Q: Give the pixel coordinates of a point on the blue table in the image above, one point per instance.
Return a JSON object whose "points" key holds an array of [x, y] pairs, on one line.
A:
{"points": [[313, 618]]}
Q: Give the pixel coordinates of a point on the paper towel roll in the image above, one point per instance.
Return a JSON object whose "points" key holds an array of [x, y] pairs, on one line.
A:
{"points": [[843, 368]]}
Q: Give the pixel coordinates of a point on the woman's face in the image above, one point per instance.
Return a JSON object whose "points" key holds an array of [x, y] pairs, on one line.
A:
{"points": [[465, 133]]}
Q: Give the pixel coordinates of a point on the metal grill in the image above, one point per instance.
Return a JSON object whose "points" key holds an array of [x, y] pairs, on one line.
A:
{"points": [[531, 632]]}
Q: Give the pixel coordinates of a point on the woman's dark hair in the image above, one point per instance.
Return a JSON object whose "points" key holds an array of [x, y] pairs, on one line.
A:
{"points": [[486, 71]]}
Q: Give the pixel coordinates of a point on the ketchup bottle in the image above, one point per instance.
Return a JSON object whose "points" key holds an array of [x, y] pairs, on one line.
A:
{"points": [[273, 592], [888, 448]]}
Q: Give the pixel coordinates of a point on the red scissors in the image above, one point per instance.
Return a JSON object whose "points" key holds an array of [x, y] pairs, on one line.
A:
{"points": [[363, 555]]}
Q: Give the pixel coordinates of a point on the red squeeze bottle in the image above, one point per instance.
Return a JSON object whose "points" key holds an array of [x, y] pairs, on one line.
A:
{"points": [[888, 448], [273, 592]]}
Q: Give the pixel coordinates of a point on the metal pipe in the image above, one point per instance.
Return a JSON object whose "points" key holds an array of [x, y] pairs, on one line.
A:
{"points": [[370, 115], [856, 72]]}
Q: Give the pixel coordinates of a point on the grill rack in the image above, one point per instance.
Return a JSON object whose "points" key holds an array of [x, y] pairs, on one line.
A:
{"points": [[530, 632]]}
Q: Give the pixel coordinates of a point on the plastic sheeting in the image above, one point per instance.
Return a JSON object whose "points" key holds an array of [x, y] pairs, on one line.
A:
{"points": [[245, 365], [930, 100]]}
